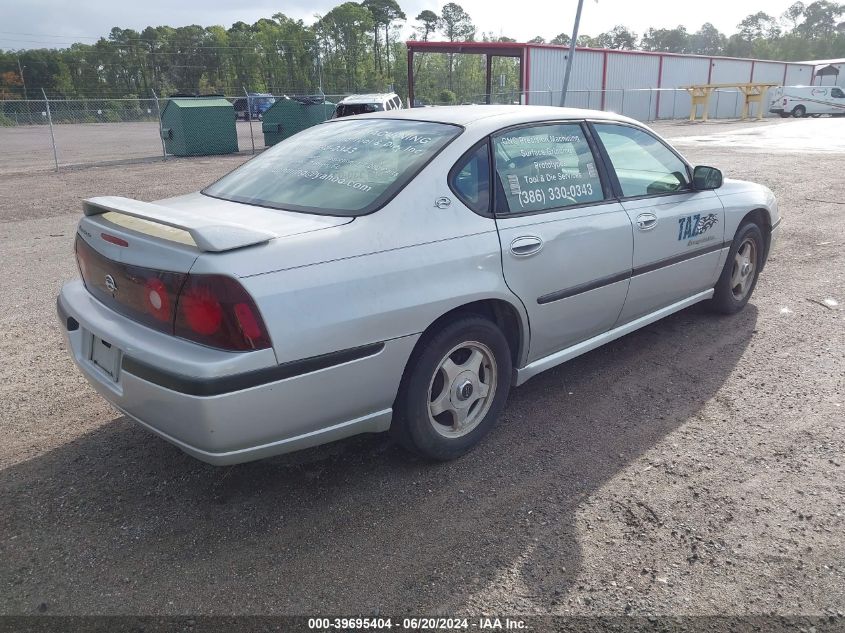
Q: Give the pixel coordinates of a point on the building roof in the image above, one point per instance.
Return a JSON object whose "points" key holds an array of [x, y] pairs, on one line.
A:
{"points": [[824, 62], [514, 49]]}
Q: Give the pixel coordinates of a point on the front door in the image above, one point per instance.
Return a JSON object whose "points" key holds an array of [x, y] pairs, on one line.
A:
{"points": [[566, 245], [678, 232]]}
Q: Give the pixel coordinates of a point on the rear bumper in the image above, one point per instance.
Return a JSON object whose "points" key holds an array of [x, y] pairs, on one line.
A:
{"points": [[225, 408]]}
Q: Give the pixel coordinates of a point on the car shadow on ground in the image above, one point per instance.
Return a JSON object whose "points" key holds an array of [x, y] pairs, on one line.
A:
{"points": [[120, 521]]}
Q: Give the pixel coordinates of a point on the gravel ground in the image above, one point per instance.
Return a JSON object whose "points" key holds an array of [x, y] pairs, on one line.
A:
{"points": [[28, 148], [694, 467]]}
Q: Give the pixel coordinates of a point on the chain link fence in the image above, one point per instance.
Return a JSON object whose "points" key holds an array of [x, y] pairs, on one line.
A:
{"points": [[38, 134]]}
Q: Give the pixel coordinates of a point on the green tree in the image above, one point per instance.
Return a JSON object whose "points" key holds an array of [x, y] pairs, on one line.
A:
{"points": [[821, 20], [456, 24], [757, 26], [675, 40], [619, 38], [429, 23], [707, 40], [384, 13]]}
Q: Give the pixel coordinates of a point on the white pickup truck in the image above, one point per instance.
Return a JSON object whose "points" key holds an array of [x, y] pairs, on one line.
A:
{"points": [[802, 101]]}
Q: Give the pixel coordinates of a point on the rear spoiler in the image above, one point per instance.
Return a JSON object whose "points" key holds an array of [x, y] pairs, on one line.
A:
{"points": [[209, 235]]}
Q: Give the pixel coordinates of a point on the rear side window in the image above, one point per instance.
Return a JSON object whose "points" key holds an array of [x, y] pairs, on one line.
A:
{"points": [[837, 93], [348, 167], [470, 179], [643, 164], [351, 109], [544, 167]]}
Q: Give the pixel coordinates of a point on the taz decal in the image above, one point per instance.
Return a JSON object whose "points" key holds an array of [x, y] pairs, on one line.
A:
{"points": [[693, 226]]}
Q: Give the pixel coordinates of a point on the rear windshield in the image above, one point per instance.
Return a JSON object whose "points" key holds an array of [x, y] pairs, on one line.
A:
{"points": [[346, 168], [351, 109]]}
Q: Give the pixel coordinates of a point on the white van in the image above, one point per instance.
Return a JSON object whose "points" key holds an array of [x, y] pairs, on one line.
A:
{"points": [[362, 104], [801, 101]]}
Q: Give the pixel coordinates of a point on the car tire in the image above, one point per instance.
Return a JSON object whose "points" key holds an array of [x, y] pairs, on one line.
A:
{"points": [[742, 268], [784, 115], [454, 389], [799, 111]]}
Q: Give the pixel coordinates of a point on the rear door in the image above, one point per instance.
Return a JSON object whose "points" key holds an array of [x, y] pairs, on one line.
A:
{"points": [[566, 244], [678, 232]]}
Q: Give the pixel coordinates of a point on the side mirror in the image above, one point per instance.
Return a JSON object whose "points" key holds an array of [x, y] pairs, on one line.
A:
{"points": [[705, 178]]}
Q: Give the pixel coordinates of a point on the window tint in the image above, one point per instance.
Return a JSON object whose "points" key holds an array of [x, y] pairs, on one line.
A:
{"points": [[348, 167], [544, 167], [470, 179], [837, 93], [643, 164]]}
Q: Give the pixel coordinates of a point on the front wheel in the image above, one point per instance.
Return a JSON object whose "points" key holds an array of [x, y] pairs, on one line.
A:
{"points": [[456, 386], [742, 268], [799, 111]]}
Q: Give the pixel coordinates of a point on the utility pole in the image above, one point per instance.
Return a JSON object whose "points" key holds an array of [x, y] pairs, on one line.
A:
{"points": [[571, 53], [23, 81]]}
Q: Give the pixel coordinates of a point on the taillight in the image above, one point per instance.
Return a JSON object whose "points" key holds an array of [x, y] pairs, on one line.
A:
{"points": [[143, 294], [215, 310], [157, 299], [212, 310]]}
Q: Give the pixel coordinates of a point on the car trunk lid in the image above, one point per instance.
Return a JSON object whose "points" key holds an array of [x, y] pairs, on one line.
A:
{"points": [[136, 257]]}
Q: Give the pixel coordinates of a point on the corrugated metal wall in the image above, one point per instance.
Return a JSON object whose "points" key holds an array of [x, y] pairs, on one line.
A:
{"points": [[630, 75], [680, 71], [799, 75], [547, 66], [770, 72], [626, 76], [727, 103]]}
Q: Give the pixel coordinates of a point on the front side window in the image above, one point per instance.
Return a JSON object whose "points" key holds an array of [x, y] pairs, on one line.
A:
{"points": [[470, 179], [643, 164], [544, 167], [347, 168]]}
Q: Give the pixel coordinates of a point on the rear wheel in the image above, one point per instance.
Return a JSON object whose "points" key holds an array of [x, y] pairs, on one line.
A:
{"points": [[742, 268], [799, 111], [456, 387]]}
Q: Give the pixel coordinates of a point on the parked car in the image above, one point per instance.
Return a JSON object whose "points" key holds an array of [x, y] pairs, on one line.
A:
{"points": [[255, 107], [802, 101], [366, 104], [399, 271]]}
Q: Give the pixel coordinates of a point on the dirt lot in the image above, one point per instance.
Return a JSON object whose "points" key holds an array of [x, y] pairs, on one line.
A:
{"points": [[694, 467]]}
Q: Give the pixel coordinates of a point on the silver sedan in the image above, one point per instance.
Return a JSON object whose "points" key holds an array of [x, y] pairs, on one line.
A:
{"points": [[399, 271]]}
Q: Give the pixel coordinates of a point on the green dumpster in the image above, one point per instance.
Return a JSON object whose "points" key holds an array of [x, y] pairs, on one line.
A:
{"points": [[288, 116], [199, 127]]}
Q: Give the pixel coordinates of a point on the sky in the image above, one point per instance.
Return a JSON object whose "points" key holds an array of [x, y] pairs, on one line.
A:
{"points": [[54, 24]]}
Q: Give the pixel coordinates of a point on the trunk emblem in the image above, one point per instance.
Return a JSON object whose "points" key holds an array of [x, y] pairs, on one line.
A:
{"points": [[111, 284]]}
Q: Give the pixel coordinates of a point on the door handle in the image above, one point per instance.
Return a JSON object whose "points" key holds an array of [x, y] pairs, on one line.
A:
{"points": [[646, 221], [526, 245]]}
